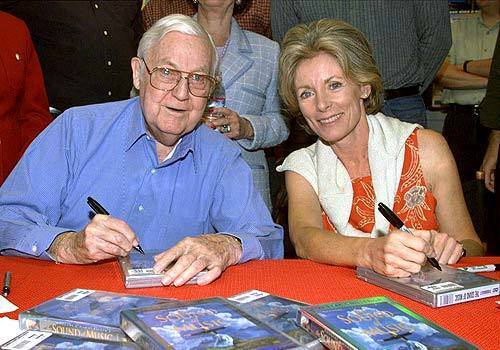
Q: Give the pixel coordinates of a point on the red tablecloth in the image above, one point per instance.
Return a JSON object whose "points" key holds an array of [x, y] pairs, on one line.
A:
{"points": [[35, 281]]}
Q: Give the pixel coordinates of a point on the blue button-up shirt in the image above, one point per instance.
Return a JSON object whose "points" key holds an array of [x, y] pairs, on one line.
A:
{"points": [[104, 151]]}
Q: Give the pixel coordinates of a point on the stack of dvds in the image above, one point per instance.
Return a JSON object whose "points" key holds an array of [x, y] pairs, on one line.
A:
{"points": [[254, 319], [436, 288]]}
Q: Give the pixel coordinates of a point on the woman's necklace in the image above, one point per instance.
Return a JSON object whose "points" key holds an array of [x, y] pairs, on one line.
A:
{"points": [[221, 51]]}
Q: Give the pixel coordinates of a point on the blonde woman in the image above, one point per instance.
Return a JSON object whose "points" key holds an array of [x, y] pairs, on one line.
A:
{"points": [[329, 81]]}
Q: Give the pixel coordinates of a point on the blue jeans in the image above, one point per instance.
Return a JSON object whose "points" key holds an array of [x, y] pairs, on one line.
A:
{"points": [[409, 109]]}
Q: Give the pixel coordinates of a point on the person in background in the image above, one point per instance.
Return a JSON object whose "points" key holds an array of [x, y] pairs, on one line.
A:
{"points": [[252, 15], [249, 67], [168, 181], [329, 81], [24, 110], [410, 40], [490, 118], [464, 76], [84, 47]]}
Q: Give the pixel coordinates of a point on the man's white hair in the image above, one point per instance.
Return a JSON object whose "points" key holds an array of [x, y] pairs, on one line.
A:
{"points": [[176, 23]]}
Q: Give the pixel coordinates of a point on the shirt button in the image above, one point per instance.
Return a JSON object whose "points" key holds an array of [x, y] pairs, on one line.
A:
{"points": [[34, 248], [148, 137], [96, 6], [153, 171], [109, 93], [141, 208], [109, 63], [105, 32]]}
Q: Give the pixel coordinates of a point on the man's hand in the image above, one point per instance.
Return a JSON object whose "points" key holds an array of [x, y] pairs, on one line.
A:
{"points": [[103, 238], [213, 252], [490, 160]]}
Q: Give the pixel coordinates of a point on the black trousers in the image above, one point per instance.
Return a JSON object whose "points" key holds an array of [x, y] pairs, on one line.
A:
{"points": [[468, 141]]}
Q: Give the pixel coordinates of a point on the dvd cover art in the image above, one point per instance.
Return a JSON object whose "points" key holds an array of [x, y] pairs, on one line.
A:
{"points": [[137, 270], [277, 312], [44, 340], [85, 313], [202, 324], [376, 323], [436, 288]]}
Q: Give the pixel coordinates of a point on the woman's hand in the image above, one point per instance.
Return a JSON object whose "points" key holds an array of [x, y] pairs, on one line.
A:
{"points": [[448, 250], [399, 254], [231, 124]]}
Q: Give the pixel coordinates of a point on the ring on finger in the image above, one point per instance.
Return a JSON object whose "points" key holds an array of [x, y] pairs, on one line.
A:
{"points": [[226, 128]]}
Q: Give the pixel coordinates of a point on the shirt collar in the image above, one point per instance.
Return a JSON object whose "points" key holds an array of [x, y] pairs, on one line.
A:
{"points": [[137, 130], [136, 127], [480, 19]]}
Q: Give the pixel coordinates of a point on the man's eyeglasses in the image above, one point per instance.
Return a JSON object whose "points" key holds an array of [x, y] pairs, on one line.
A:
{"points": [[166, 79]]}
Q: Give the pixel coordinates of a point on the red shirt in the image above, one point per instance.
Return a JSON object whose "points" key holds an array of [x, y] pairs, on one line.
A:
{"points": [[24, 109], [414, 203]]}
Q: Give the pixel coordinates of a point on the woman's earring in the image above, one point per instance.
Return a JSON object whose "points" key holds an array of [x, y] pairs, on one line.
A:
{"points": [[238, 2], [195, 2]]}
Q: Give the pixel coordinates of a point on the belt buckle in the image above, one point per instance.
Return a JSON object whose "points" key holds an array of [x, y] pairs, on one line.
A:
{"points": [[475, 110]]}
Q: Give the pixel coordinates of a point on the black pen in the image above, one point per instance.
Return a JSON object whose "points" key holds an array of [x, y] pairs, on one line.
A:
{"points": [[397, 223], [99, 209], [6, 284]]}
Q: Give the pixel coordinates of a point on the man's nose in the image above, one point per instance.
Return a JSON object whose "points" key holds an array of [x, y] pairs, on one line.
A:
{"points": [[181, 90]]}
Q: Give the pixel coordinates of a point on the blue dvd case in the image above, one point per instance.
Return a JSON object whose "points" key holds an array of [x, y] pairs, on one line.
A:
{"points": [[375, 324], [44, 340], [277, 312], [200, 324], [85, 313]]}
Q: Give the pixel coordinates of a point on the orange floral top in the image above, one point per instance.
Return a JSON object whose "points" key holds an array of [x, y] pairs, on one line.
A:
{"points": [[414, 202]]}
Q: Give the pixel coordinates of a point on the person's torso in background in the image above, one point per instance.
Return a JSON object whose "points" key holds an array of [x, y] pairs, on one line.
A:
{"points": [[84, 47], [472, 40]]}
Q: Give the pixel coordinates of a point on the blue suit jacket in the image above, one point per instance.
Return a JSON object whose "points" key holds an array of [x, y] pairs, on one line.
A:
{"points": [[250, 75]]}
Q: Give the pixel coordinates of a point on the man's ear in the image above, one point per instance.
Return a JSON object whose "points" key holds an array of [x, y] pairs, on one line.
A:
{"points": [[135, 62]]}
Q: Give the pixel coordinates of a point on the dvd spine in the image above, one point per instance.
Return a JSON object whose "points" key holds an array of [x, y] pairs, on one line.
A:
{"points": [[32, 321], [325, 336], [462, 296]]}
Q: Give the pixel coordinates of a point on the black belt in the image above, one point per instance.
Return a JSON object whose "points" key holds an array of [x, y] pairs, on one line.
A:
{"points": [[401, 92], [463, 108]]}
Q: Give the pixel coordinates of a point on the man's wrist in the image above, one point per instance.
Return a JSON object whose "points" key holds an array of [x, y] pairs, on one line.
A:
{"points": [[236, 248], [59, 250], [495, 135], [464, 66]]}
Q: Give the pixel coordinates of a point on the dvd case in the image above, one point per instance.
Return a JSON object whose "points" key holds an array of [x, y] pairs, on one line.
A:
{"points": [[375, 323], [436, 288], [200, 324], [278, 313], [44, 340], [85, 313], [137, 270]]}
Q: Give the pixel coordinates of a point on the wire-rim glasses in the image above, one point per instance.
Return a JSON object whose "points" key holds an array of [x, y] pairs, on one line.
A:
{"points": [[166, 79]]}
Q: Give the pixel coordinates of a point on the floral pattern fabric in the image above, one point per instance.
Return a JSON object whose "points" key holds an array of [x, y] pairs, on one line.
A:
{"points": [[414, 202]]}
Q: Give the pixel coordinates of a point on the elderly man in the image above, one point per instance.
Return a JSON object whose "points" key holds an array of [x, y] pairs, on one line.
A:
{"points": [[168, 181]]}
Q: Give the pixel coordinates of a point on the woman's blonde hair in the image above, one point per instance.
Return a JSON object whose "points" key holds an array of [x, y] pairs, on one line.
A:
{"points": [[342, 41]]}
